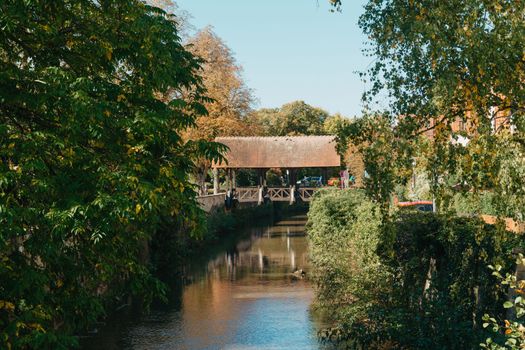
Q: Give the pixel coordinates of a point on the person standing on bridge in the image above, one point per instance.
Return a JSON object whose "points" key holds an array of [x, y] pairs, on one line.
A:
{"points": [[266, 195], [234, 199], [228, 200]]}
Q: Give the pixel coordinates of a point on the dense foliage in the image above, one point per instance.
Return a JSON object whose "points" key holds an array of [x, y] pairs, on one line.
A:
{"points": [[230, 100], [421, 282], [92, 163], [454, 71], [513, 329], [343, 232], [294, 118]]}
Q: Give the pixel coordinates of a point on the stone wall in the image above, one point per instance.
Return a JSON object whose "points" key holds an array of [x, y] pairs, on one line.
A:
{"points": [[211, 202]]}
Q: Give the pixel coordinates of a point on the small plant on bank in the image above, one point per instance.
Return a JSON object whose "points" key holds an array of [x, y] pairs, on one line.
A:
{"points": [[513, 330]]}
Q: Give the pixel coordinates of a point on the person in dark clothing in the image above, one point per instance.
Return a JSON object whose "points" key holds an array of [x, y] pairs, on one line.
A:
{"points": [[234, 199], [228, 200]]}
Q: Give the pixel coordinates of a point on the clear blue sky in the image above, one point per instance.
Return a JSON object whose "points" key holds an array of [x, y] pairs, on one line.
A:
{"points": [[291, 49]]}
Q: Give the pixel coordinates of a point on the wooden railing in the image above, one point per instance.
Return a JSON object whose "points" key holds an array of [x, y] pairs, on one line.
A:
{"points": [[275, 194], [247, 194], [255, 194], [306, 194], [280, 194]]}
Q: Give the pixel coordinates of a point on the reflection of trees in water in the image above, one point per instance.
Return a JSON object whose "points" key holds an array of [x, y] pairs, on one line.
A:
{"points": [[277, 250], [274, 256]]}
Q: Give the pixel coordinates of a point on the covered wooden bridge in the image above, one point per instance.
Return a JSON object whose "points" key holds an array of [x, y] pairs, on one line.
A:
{"points": [[289, 153]]}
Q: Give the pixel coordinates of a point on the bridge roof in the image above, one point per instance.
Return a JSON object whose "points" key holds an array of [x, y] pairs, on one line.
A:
{"points": [[280, 152]]}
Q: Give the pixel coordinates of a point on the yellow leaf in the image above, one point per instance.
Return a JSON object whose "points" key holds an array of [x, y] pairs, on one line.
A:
{"points": [[121, 98], [37, 326], [7, 305], [138, 208]]}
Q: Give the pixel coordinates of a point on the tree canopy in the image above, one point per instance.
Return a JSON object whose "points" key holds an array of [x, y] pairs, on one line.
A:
{"points": [[454, 75], [230, 99], [294, 118], [92, 161], [446, 63]]}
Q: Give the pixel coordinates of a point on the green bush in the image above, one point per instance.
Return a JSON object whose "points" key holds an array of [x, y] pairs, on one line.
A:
{"points": [[413, 281], [344, 234], [443, 285], [475, 204]]}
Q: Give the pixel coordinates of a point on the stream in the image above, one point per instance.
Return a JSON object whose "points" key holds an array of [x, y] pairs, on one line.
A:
{"points": [[246, 296]]}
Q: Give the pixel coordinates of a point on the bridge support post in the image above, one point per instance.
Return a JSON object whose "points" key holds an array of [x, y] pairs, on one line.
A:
{"points": [[260, 199], [261, 177], [215, 172], [292, 177], [292, 195], [229, 179], [324, 173]]}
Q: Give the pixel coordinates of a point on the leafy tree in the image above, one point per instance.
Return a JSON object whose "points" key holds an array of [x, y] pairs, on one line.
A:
{"points": [[92, 162], [230, 99], [299, 118], [448, 62], [417, 282], [375, 148], [294, 118], [265, 120], [334, 123], [453, 70]]}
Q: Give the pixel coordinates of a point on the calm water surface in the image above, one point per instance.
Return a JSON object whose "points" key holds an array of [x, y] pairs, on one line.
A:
{"points": [[246, 297]]}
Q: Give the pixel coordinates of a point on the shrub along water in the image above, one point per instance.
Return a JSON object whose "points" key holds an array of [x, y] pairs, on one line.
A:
{"points": [[413, 280]]}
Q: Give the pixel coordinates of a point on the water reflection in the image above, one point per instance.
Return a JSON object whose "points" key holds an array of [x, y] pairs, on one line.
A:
{"points": [[247, 297]]}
